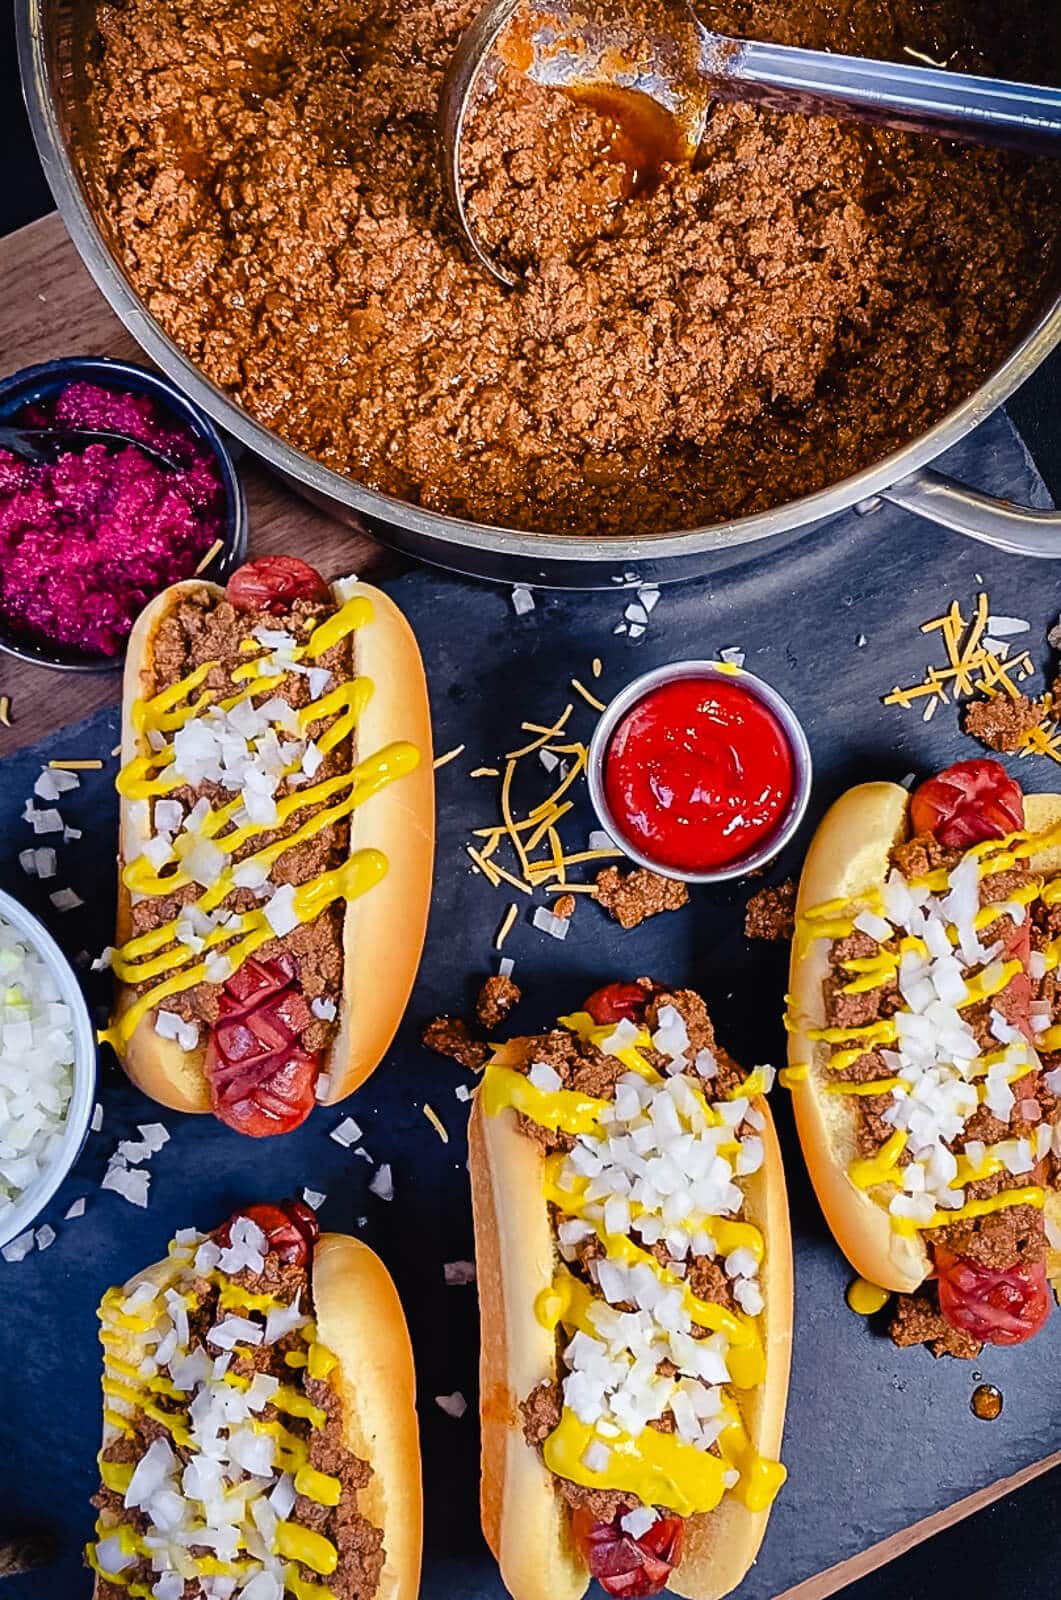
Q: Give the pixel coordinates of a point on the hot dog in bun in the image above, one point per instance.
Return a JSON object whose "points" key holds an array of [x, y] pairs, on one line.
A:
{"points": [[276, 842], [635, 1282], [259, 1430], [925, 1051]]}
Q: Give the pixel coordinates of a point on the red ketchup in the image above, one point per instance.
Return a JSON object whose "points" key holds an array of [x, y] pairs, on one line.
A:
{"points": [[699, 774]]}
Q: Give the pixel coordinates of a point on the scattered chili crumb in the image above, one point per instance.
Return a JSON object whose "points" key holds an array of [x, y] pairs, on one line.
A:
{"points": [[638, 895], [449, 1036], [771, 912], [1003, 721], [564, 906], [496, 999]]}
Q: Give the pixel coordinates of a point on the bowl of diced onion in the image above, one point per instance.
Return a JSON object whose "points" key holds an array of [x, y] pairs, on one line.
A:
{"points": [[47, 1068]]}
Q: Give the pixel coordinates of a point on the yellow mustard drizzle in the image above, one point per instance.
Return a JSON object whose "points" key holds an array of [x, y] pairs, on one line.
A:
{"points": [[986, 984], [876, 1086], [363, 781], [293, 1541], [659, 1469], [307, 1546], [828, 921], [879, 1168], [321, 1361], [597, 1033], [662, 1469], [231, 1296], [865, 1298], [1032, 1195], [834, 919], [146, 957], [727, 1233], [562, 1110], [115, 1475], [976, 1171], [318, 1486], [355, 877], [303, 1589], [568, 1302]]}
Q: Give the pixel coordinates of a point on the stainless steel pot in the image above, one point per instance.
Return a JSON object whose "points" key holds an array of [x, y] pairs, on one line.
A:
{"points": [[48, 44]]}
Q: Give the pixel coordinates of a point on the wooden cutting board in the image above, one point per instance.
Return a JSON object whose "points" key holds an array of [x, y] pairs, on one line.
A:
{"points": [[50, 307]]}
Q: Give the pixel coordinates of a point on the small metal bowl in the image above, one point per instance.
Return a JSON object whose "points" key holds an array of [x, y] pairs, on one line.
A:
{"points": [[31, 1201], [636, 691], [40, 383]]}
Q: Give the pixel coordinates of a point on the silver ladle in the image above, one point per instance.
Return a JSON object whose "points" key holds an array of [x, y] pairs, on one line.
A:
{"points": [[672, 60]]}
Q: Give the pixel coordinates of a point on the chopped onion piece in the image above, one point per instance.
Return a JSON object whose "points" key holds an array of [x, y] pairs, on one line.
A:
{"points": [[18, 1249], [454, 1405], [381, 1182], [347, 1133]]}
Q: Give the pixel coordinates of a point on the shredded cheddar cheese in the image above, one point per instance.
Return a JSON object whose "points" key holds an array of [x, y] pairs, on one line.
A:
{"points": [[214, 550], [972, 667], [545, 734], [530, 841], [506, 926], [590, 699], [450, 755], [436, 1122], [75, 766]]}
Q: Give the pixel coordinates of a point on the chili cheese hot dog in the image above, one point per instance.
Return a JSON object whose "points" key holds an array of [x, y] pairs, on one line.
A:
{"points": [[925, 1051], [259, 1430], [276, 842], [635, 1282]]}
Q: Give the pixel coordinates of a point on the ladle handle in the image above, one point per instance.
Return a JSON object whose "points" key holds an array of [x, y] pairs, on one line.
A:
{"points": [[924, 99]]}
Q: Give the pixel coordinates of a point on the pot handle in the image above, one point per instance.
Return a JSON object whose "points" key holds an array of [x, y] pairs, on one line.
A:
{"points": [[1019, 530]]}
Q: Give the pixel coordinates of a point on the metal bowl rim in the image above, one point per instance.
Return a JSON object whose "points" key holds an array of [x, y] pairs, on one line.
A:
{"points": [[712, 671], [1039, 339]]}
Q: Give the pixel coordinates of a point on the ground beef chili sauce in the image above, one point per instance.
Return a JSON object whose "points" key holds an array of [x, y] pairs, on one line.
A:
{"points": [[941, 1006], [801, 300], [214, 1381], [248, 764], [638, 1066]]}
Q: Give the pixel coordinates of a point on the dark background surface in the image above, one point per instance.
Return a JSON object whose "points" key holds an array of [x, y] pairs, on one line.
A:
{"points": [[1005, 1550]]}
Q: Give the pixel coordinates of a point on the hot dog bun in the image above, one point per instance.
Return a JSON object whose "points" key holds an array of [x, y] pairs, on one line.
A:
{"points": [[398, 820], [848, 857], [360, 1320], [525, 1521]]}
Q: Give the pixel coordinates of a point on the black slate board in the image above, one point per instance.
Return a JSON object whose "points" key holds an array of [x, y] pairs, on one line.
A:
{"points": [[876, 1438]]}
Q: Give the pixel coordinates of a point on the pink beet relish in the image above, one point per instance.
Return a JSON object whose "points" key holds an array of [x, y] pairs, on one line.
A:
{"points": [[87, 541]]}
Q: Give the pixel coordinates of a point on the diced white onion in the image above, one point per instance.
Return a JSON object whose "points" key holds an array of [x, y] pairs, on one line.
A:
{"points": [[381, 1183]]}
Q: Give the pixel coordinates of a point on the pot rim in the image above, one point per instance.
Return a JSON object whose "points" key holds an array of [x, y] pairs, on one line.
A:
{"points": [[1039, 340]]}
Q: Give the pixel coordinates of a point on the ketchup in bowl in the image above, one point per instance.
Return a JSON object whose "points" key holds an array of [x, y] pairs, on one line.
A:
{"points": [[702, 772]]}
